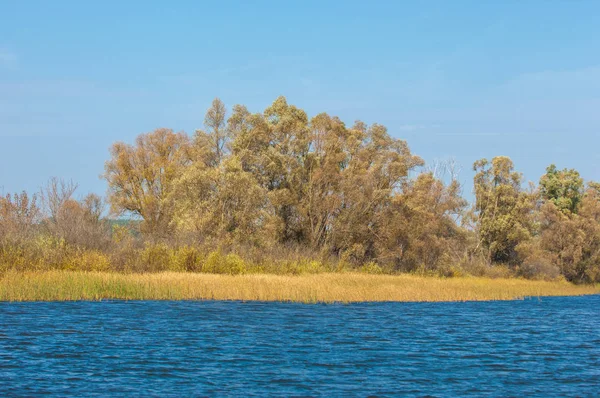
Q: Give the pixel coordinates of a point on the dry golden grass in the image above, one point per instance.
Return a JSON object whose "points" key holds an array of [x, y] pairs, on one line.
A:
{"points": [[345, 287]]}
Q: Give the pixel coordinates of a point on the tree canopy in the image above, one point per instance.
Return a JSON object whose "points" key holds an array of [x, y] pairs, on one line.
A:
{"points": [[294, 186]]}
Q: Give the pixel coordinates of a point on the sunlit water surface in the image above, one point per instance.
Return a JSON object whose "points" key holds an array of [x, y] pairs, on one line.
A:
{"points": [[520, 348]]}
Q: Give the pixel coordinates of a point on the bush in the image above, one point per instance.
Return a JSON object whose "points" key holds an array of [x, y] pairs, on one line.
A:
{"points": [[538, 267], [152, 258], [451, 271], [478, 267], [187, 258], [89, 260], [371, 268], [217, 263]]}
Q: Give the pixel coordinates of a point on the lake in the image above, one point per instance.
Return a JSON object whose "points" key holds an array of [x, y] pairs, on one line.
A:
{"points": [[533, 347]]}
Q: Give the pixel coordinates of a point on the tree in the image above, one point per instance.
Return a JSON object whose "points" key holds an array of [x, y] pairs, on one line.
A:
{"points": [[212, 143], [79, 223], [273, 147], [375, 169], [55, 194], [324, 163], [590, 212], [504, 212], [421, 229], [573, 240], [564, 188], [19, 214], [224, 203], [140, 177]]}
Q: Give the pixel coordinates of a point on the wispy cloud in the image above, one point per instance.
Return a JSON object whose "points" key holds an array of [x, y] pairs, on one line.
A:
{"points": [[8, 59]]}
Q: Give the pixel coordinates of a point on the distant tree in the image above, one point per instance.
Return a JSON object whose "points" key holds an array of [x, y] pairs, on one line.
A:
{"points": [[140, 177]]}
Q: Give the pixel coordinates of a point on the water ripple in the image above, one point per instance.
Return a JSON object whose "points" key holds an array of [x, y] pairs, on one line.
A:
{"points": [[521, 348]]}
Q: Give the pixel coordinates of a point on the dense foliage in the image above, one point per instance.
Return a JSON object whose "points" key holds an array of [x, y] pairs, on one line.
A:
{"points": [[278, 191]]}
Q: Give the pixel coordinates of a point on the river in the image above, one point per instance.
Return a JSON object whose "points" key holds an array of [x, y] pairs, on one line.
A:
{"points": [[535, 347]]}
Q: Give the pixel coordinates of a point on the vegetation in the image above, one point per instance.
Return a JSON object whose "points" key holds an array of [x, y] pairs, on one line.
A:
{"points": [[330, 287], [278, 192]]}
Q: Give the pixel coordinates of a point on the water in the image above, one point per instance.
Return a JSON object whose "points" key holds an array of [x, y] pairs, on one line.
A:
{"points": [[519, 348]]}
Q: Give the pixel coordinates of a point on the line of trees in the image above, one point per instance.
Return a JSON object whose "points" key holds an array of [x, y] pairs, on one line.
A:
{"points": [[280, 184]]}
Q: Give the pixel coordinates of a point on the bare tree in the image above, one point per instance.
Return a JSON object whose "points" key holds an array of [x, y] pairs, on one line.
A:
{"points": [[19, 213], [55, 194]]}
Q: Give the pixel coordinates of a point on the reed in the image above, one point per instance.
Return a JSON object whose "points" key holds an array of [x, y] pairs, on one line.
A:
{"points": [[342, 287]]}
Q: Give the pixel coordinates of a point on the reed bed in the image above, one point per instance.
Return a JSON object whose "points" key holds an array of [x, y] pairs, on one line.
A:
{"points": [[345, 287]]}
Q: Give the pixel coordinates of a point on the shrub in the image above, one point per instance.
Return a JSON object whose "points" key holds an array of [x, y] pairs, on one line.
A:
{"points": [[371, 268], [217, 263], [451, 271], [538, 267], [154, 257], [234, 264], [89, 260], [186, 258]]}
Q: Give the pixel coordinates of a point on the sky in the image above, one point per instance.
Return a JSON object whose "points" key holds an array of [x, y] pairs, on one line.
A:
{"points": [[458, 80]]}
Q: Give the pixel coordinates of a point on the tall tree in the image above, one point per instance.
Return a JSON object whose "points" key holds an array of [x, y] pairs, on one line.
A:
{"points": [[273, 147], [213, 142], [324, 163], [375, 168], [504, 211]]}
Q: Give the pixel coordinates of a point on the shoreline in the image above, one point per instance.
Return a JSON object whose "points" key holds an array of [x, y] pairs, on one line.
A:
{"points": [[308, 288]]}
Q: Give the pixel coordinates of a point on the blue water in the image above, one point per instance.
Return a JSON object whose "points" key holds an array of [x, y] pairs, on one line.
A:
{"points": [[519, 348]]}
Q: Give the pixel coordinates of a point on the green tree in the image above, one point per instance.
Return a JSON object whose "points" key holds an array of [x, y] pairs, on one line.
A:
{"points": [[564, 188], [570, 224]]}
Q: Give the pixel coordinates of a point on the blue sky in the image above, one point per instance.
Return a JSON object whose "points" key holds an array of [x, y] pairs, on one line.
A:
{"points": [[461, 79]]}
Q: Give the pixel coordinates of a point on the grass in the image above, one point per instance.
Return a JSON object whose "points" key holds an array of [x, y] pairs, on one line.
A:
{"points": [[341, 287]]}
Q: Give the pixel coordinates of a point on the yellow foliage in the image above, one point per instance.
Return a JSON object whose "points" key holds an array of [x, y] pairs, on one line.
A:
{"points": [[217, 263], [120, 233], [371, 268], [186, 258], [89, 260]]}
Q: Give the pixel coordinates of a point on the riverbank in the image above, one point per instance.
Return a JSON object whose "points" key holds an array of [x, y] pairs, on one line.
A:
{"points": [[345, 287]]}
